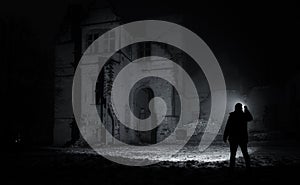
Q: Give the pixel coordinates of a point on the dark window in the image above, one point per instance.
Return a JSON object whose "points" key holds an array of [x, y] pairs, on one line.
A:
{"points": [[144, 49]]}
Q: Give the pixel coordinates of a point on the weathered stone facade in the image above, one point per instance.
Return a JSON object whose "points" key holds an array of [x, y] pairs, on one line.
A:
{"points": [[98, 22]]}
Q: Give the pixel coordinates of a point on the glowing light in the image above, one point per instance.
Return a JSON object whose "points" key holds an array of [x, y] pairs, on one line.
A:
{"points": [[242, 102]]}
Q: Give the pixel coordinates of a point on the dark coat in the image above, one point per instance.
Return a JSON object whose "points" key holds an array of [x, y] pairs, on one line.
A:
{"points": [[236, 128]]}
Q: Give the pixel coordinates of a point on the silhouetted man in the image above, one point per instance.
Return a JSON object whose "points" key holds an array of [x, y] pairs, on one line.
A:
{"points": [[237, 133]]}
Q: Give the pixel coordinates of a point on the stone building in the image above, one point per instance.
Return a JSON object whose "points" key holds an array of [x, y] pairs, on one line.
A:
{"points": [[82, 27], [75, 39]]}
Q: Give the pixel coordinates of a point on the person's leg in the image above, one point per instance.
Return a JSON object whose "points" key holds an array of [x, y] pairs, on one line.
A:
{"points": [[233, 149], [245, 154]]}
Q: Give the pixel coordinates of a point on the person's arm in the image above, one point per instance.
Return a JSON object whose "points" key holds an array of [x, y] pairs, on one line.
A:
{"points": [[226, 131], [248, 115]]}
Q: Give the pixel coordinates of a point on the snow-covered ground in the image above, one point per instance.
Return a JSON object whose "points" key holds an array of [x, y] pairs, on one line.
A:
{"points": [[272, 164], [261, 154]]}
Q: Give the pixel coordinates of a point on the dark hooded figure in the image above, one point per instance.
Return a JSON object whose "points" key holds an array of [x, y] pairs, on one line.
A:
{"points": [[237, 133]]}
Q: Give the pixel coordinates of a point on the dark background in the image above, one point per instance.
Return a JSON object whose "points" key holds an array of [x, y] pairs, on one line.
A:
{"points": [[261, 38]]}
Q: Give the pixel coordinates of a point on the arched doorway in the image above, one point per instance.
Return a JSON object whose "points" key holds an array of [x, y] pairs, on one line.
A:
{"points": [[142, 96]]}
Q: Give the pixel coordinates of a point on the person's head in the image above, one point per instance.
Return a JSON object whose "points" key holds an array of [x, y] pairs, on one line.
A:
{"points": [[238, 107]]}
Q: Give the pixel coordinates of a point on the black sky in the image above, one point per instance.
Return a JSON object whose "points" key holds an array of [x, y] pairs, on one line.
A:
{"points": [[265, 33]]}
